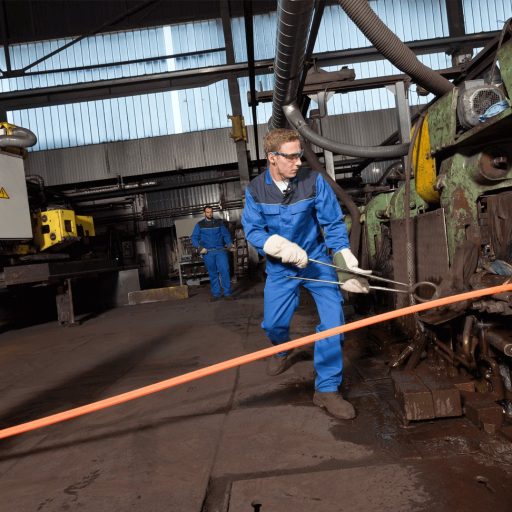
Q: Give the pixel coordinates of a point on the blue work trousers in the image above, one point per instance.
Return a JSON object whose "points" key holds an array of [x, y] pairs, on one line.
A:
{"points": [[282, 299], [216, 261]]}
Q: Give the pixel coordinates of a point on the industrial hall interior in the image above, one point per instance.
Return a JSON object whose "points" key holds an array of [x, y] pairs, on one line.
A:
{"points": [[255, 255]]}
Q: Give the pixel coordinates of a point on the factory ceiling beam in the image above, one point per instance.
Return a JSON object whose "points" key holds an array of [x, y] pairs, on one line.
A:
{"points": [[456, 28], [103, 89], [109, 24], [41, 20], [362, 84], [175, 80], [422, 47], [19, 73], [92, 195]]}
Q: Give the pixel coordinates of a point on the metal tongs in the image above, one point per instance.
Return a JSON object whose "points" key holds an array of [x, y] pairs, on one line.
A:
{"points": [[410, 290]]}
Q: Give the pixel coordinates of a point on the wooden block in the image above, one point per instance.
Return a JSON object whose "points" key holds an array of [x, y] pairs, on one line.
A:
{"points": [[463, 383], [445, 396], [414, 397], [158, 295], [481, 411]]}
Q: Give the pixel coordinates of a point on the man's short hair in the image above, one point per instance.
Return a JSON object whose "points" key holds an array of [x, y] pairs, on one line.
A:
{"points": [[206, 207], [274, 139]]}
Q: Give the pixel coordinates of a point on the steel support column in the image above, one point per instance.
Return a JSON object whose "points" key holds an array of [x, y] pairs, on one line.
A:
{"points": [[404, 117], [4, 36], [236, 105], [323, 98], [234, 94], [455, 13], [64, 301]]}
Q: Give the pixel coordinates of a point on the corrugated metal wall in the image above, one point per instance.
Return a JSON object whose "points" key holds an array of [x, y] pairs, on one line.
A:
{"points": [[203, 108], [132, 158], [185, 151], [482, 16]]}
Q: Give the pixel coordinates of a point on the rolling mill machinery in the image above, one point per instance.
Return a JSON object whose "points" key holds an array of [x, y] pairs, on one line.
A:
{"points": [[445, 216], [43, 242], [449, 223], [32, 227]]}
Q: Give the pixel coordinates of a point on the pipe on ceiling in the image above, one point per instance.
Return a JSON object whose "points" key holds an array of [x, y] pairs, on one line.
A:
{"points": [[294, 116], [360, 12], [17, 137], [293, 22]]}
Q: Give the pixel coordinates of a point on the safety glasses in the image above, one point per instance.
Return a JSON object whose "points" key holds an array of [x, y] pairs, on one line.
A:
{"points": [[288, 156]]}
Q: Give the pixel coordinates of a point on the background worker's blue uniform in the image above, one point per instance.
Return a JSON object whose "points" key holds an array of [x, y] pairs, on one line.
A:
{"points": [[309, 215], [214, 236]]}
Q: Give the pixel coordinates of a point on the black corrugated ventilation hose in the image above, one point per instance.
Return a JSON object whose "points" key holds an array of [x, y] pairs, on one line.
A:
{"points": [[360, 12], [294, 116], [18, 138], [293, 22]]}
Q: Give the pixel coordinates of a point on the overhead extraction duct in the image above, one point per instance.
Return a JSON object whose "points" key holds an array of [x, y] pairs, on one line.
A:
{"points": [[16, 137], [360, 12], [293, 22], [294, 19], [294, 116]]}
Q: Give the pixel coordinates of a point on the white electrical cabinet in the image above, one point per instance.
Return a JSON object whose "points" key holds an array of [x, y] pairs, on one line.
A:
{"points": [[15, 223]]}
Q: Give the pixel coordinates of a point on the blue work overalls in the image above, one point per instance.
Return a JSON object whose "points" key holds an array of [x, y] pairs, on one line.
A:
{"points": [[309, 215], [214, 236]]}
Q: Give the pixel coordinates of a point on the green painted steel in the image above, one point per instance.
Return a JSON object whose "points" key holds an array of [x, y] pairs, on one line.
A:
{"points": [[376, 212], [396, 205], [505, 60], [459, 198], [442, 121]]}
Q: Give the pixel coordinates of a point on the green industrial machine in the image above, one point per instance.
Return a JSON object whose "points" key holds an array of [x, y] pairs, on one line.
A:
{"points": [[460, 226]]}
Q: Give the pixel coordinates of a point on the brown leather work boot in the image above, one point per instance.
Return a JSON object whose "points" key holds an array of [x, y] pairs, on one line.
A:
{"points": [[335, 405], [278, 364]]}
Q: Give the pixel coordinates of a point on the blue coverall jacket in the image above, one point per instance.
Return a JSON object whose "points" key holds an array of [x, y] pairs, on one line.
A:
{"points": [[214, 236], [309, 215]]}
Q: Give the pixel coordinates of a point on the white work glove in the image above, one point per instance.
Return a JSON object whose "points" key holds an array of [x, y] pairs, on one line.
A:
{"points": [[351, 283], [288, 252], [203, 250]]}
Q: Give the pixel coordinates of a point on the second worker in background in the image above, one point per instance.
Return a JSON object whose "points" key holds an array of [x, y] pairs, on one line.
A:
{"points": [[213, 240]]}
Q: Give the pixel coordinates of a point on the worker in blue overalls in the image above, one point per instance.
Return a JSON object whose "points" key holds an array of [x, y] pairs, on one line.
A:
{"points": [[291, 214], [213, 240]]}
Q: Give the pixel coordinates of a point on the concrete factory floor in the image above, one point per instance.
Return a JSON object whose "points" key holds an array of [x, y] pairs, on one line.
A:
{"points": [[238, 441]]}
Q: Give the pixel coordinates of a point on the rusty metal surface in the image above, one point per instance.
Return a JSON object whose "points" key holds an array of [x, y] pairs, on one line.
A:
{"points": [[42, 272], [445, 396], [499, 208], [482, 410], [429, 234], [414, 397], [431, 238]]}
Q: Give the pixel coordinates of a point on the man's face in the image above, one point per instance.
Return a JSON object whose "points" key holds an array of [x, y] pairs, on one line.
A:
{"points": [[208, 213], [286, 167]]}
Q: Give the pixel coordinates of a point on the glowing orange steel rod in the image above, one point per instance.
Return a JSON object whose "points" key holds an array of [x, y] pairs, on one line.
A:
{"points": [[248, 358]]}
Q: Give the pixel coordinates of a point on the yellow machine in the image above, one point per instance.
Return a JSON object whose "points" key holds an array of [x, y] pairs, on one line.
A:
{"points": [[424, 164], [54, 229]]}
